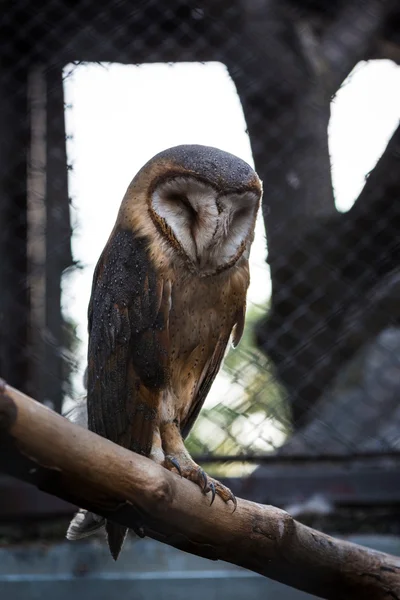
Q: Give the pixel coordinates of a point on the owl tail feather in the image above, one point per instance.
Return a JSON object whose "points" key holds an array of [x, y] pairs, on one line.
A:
{"points": [[116, 535], [84, 524]]}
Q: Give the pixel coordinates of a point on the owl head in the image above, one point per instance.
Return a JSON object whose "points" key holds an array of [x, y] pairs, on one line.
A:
{"points": [[204, 203]]}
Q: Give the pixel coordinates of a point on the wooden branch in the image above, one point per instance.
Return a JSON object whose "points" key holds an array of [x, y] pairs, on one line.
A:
{"points": [[41, 447]]}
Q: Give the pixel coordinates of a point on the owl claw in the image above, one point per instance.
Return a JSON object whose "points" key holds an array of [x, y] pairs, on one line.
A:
{"points": [[173, 461], [217, 489], [212, 490], [176, 458], [196, 474], [204, 479]]}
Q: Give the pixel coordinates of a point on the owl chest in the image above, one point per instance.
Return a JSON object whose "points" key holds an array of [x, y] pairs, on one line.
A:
{"points": [[199, 314], [202, 314], [199, 311]]}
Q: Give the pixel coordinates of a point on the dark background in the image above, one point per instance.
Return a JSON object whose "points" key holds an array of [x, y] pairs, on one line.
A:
{"points": [[326, 353]]}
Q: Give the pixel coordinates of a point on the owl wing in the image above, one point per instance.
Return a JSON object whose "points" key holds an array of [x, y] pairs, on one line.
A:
{"points": [[212, 368], [128, 343]]}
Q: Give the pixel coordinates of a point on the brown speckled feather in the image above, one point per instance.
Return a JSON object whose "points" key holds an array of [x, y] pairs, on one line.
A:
{"points": [[128, 350], [128, 343]]}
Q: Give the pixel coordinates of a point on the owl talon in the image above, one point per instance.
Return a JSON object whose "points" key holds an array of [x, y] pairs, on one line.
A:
{"points": [[212, 490], [204, 479], [217, 489], [173, 461], [177, 458]]}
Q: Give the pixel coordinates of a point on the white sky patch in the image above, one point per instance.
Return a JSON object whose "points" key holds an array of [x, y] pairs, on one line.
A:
{"points": [[122, 115], [364, 115]]}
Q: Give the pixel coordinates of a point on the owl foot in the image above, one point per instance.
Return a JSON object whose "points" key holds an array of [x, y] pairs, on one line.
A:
{"points": [[188, 469], [169, 450]]}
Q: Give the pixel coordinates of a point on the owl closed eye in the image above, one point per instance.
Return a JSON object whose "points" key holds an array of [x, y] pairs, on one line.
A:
{"points": [[211, 228]]}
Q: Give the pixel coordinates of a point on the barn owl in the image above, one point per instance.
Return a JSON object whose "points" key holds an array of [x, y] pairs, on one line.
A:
{"points": [[169, 291]]}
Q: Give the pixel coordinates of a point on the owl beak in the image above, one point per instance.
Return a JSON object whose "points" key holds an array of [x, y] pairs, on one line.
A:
{"points": [[198, 260], [201, 261]]}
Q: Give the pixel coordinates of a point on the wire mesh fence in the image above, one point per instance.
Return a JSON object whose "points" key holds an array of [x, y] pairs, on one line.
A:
{"points": [[317, 372]]}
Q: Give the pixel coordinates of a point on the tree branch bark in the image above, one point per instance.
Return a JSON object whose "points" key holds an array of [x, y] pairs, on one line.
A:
{"points": [[332, 282], [350, 37], [45, 449], [296, 68]]}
